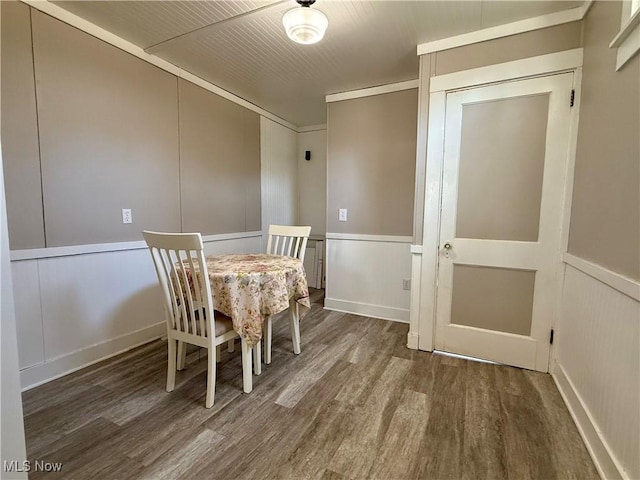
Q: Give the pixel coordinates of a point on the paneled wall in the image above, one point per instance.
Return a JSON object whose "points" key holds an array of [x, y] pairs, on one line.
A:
{"points": [[89, 130], [94, 130], [76, 309]]}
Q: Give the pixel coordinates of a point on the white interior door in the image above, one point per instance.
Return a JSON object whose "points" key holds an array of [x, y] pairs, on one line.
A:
{"points": [[505, 157]]}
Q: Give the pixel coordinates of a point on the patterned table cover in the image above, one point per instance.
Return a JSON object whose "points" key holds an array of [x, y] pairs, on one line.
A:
{"points": [[250, 287]]}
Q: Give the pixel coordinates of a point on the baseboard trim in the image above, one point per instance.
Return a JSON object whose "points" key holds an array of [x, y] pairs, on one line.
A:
{"points": [[600, 453], [365, 309], [36, 375], [412, 341]]}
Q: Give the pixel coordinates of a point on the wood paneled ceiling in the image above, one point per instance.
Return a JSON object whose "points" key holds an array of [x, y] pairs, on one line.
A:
{"points": [[241, 45]]}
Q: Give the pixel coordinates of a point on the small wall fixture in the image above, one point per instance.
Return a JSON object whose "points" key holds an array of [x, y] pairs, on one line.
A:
{"points": [[304, 25]]}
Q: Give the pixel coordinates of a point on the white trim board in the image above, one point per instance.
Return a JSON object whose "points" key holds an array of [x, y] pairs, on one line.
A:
{"points": [[368, 92], [502, 72], [39, 374], [626, 29], [367, 310], [413, 337], [506, 30], [80, 23], [34, 253], [312, 128], [622, 284], [369, 238], [627, 41], [600, 453]]}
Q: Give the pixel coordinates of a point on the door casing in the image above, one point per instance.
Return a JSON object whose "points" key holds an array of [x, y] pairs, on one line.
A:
{"points": [[425, 256]]}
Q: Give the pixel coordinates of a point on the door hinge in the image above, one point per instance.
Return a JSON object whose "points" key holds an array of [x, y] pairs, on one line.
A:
{"points": [[573, 98], [551, 337]]}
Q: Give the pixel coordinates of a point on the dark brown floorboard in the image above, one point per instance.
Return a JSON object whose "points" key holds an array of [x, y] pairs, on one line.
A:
{"points": [[356, 403]]}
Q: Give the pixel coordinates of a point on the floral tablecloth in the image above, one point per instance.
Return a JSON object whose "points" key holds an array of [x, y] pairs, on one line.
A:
{"points": [[250, 287]]}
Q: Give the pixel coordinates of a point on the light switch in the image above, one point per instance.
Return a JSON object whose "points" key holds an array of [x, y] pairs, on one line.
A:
{"points": [[342, 215], [126, 215]]}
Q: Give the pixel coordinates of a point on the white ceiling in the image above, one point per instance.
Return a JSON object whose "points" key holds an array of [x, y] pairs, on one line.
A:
{"points": [[368, 43]]}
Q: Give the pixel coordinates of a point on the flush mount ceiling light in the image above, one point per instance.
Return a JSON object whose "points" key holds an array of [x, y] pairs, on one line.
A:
{"points": [[304, 25]]}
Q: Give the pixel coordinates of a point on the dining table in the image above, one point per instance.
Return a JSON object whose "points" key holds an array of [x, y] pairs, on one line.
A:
{"points": [[249, 288]]}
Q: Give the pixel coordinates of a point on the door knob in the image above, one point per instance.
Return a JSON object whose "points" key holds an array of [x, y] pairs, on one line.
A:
{"points": [[447, 246]]}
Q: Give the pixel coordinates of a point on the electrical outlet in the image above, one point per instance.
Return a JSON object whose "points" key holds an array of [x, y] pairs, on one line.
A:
{"points": [[406, 284], [126, 215], [342, 215]]}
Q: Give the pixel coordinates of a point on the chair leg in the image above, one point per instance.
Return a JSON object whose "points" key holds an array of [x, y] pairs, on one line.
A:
{"points": [[247, 380], [171, 367], [267, 335], [211, 376], [257, 358], [294, 316], [182, 355], [218, 353], [231, 345]]}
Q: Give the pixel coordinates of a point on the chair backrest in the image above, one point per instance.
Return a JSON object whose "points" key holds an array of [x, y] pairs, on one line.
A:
{"points": [[289, 241], [182, 272]]}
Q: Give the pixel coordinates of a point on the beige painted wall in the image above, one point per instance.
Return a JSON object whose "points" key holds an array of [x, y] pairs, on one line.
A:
{"points": [[371, 151], [530, 44], [12, 440], [312, 181], [219, 161], [110, 138], [20, 130], [605, 216]]}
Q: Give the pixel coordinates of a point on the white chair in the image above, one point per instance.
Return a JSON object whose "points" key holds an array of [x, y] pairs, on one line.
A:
{"points": [[290, 241], [189, 311]]}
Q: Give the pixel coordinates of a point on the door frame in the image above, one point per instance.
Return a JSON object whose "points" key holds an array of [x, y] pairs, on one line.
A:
{"points": [[424, 297]]}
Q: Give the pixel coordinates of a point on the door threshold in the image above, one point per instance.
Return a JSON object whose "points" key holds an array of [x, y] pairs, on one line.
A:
{"points": [[465, 357]]}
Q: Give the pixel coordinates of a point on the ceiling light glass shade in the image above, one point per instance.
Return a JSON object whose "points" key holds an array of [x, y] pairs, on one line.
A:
{"points": [[304, 25]]}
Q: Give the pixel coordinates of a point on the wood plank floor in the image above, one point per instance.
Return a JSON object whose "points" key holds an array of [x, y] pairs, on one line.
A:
{"points": [[356, 403]]}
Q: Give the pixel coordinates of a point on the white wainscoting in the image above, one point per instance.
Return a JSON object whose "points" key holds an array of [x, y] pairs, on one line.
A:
{"points": [[364, 275], [314, 262], [76, 309], [597, 367]]}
